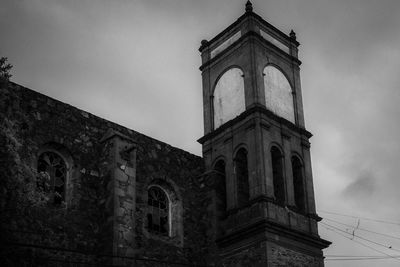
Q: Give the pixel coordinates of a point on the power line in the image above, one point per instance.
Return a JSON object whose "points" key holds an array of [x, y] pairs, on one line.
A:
{"points": [[357, 256], [365, 239], [362, 229], [360, 243], [363, 218], [360, 259]]}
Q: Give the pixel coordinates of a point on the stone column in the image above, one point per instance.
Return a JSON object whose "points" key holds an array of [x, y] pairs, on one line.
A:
{"points": [[120, 166]]}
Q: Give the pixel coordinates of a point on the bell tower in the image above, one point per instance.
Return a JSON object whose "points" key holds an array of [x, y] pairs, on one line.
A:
{"points": [[256, 147]]}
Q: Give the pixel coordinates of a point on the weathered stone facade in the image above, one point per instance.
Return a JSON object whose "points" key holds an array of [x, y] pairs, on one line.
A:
{"points": [[77, 190], [109, 170]]}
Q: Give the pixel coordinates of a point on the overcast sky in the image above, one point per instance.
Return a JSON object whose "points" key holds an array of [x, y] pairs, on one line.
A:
{"points": [[136, 63]]}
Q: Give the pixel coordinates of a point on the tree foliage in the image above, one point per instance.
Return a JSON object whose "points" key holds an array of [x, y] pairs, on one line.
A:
{"points": [[5, 68]]}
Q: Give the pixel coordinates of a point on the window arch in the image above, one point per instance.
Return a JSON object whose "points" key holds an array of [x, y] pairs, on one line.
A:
{"points": [[278, 93], [158, 216], [277, 175], [163, 212], [298, 183], [228, 97], [52, 170], [220, 187], [242, 177]]}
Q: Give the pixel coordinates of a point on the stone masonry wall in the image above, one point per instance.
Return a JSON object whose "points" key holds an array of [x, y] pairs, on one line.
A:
{"points": [[281, 256], [92, 221]]}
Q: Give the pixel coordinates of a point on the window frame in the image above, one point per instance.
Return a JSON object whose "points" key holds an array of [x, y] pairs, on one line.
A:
{"points": [[169, 211], [63, 153]]}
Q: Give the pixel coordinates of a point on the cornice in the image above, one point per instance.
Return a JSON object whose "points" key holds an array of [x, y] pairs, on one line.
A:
{"points": [[241, 39], [248, 112], [241, 19], [267, 226]]}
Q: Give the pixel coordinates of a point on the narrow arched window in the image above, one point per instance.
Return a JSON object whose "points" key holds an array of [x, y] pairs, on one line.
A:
{"points": [[52, 176], [277, 174], [242, 177], [158, 211], [220, 187], [298, 183]]}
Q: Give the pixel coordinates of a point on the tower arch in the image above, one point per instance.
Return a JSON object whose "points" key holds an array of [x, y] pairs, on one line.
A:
{"points": [[228, 96], [278, 93]]}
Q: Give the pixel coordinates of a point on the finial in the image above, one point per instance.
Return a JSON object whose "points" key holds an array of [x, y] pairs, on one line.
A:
{"points": [[292, 35], [249, 6], [204, 43]]}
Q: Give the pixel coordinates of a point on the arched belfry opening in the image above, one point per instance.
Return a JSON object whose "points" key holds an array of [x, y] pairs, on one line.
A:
{"points": [[298, 184], [277, 175], [278, 93], [220, 187], [242, 177], [228, 97]]}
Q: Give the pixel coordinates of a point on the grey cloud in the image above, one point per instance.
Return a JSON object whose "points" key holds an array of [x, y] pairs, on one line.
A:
{"points": [[362, 188]]}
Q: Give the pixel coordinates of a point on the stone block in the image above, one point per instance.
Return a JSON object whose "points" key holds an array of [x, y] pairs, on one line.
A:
{"points": [[130, 171]]}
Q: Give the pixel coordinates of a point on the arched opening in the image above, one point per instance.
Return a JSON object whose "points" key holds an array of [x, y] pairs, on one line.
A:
{"points": [[298, 183], [52, 178], [220, 187], [158, 211], [278, 93], [242, 177], [228, 97], [277, 174]]}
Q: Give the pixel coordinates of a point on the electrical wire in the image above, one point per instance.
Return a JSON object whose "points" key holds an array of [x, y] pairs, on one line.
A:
{"points": [[362, 218], [360, 243], [359, 259], [360, 237], [362, 229]]}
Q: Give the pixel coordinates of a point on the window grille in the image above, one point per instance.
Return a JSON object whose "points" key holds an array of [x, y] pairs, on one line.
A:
{"points": [[158, 209], [53, 171]]}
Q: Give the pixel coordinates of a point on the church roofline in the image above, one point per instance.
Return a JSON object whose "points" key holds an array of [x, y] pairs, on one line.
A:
{"points": [[15, 86]]}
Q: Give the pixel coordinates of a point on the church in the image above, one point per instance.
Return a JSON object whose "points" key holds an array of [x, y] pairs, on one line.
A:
{"points": [[78, 190]]}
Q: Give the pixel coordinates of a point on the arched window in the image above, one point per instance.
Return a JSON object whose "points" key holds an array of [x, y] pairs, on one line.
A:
{"points": [[228, 97], [220, 187], [277, 174], [158, 211], [52, 176], [242, 177], [298, 183], [278, 93]]}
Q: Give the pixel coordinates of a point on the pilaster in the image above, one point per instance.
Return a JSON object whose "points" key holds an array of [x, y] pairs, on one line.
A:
{"points": [[120, 166]]}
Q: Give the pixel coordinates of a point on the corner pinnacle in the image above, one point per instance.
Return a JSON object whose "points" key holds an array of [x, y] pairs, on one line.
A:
{"points": [[249, 6]]}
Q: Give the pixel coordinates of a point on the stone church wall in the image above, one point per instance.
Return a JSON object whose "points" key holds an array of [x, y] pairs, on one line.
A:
{"points": [[91, 224]]}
